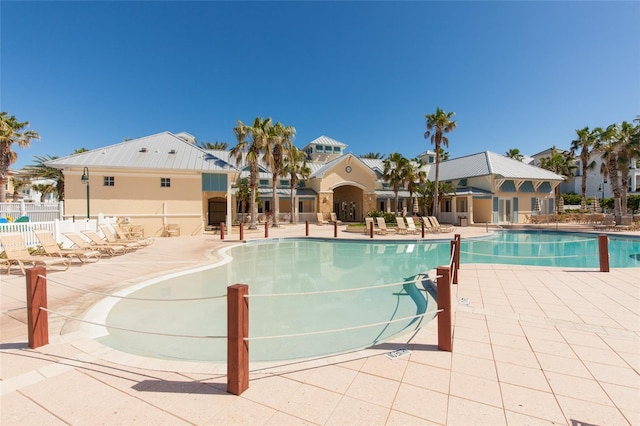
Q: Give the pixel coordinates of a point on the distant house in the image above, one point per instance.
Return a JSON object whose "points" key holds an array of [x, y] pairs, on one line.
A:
{"points": [[166, 178]]}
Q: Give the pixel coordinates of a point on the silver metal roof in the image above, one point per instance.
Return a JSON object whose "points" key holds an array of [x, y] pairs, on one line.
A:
{"points": [[325, 140], [162, 151], [488, 163]]}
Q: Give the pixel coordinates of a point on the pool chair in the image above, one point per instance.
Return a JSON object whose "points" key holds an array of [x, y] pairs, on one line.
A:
{"points": [[111, 238], [123, 235], [81, 243], [51, 248], [334, 218], [440, 228], [402, 227], [428, 226], [320, 218], [97, 239], [368, 221], [411, 225], [18, 254], [382, 226]]}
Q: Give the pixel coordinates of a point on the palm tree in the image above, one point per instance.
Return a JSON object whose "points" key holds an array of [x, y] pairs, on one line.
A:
{"points": [[295, 164], [278, 143], [438, 125], [628, 148], [43, 189], [243, 195], [416, 177], [251, 141], [395, 172], [220, 146], [560, 163], [40, 170], [444, 155], [515, 154], [372, 155], [18, 184], [11, 131], [585, 142], [427, 193], [608, 145]]}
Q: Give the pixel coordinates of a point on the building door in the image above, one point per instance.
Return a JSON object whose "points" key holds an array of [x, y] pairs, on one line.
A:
{"points": [[504, 210]]}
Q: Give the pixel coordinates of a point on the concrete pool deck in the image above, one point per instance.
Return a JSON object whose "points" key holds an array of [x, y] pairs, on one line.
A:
{"points": [[534, 345]]}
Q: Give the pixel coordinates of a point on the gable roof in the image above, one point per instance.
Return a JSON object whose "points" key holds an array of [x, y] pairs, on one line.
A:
{"points": [[325, 140], [162, 151], [490, 163], [319, 173]]}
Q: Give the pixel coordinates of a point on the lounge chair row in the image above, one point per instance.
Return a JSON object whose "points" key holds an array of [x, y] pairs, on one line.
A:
{"points": [[431, 224], [17, 252]]}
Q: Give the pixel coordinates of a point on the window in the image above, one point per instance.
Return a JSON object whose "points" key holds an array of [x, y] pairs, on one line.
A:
{"points": [[264, 182], [446, 205], [319, 148], [461, 205], [284, 183], [336, 149], [109, 181], [165, 182]]}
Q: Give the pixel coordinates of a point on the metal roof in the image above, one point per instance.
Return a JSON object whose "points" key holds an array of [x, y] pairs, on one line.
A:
{"points": [[162, 151], [490, 163], [325, 140]]}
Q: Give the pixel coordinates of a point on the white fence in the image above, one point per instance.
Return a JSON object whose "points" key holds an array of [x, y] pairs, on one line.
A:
{"points": [[56, 227], [36, 212]]}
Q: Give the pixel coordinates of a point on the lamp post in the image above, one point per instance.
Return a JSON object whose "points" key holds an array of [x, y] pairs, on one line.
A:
{"points": [[85, 180]]}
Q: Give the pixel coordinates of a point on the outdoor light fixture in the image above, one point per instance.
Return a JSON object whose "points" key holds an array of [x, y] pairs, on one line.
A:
{"points": [[85, 180]]}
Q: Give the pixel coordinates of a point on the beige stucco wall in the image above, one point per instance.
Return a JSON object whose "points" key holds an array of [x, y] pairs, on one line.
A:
{"points": [[140, 198]]}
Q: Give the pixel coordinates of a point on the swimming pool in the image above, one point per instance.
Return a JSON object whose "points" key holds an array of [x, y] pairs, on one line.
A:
{"points": [[302, 266]]}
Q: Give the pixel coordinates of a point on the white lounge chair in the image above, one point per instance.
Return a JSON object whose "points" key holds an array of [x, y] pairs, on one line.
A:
{"points": [[321, 220], [411, 225], [402, 227], [17, 253], [439, 227]]}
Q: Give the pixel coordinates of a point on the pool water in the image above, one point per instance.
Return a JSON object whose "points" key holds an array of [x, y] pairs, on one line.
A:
{"points": [[296, 267]]}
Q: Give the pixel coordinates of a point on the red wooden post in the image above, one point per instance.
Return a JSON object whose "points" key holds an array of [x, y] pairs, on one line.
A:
{"points": [[37, 319], [422, 229], [458, 244], [603, 249], [237, 331], [452, 252], [306, 228], [371, 229], [241, 231], [222, 230], [445, 342], [335, 229], [266, 229]]}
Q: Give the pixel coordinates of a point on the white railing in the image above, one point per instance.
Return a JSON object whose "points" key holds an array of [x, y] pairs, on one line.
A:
{"points": [[56, 227], [36, 212]]}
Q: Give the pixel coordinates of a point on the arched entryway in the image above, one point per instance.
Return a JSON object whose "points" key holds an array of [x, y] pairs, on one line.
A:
{"points": [[348, 203]]}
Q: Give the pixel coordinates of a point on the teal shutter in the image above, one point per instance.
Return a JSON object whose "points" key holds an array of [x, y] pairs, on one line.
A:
{"points": [[495, 209], [515, 210]]}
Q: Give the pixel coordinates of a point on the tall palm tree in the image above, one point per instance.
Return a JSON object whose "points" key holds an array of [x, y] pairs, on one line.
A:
{"points": [[251, 141], [607, 143], [560, 163], [515, 154], [280, 141], [11, 131], [295, 164], [438, 124], [628, 148], [585, 142], [18, 183], [220, 146], [243, 195], [372, 155], [395, 172], [444, 155], [40, 170]]}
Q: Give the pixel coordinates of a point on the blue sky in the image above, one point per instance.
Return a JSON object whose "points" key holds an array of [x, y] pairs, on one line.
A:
{"points": [[517, 74]]}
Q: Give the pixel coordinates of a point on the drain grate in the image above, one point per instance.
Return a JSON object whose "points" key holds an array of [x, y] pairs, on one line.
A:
{"points": [[398, 353]]}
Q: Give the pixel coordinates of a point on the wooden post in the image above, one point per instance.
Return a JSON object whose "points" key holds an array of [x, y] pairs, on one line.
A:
{"points": [[237, 331], [371, 229], [458, 244], [445, 342], [306, 228], [37, 319], [241, 231], [335, 229], [603, 249], [266, 229], [222, 230], [422, 229], [452, 252]]}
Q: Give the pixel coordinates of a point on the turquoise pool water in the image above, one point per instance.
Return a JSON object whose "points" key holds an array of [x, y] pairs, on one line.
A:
{"points": [[307, 266]]}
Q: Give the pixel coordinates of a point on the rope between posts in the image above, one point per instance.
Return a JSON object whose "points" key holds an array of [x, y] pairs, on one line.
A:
{"points": [[493, 241], [343, 290], [336, 330], [529, 257], [84, 290], [129, 329]]}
